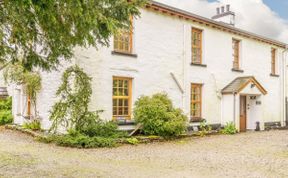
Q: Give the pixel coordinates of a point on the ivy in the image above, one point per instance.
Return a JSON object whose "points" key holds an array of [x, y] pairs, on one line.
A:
{"points": [[71, 111]]}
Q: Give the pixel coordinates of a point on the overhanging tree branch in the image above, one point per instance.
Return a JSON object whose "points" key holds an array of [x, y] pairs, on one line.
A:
{"points": [[57, 26]]}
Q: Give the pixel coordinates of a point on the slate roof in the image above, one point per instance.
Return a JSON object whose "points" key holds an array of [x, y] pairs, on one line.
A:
{"points": [[188, 15], [240, 83]]}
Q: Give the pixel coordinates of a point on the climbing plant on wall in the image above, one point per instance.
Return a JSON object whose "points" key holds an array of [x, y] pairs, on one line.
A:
{"points": [[71, 111]]}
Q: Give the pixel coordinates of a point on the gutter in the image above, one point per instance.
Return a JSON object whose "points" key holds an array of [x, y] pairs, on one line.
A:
{"points": [[234, 107], [284, 90], [184, 69]]}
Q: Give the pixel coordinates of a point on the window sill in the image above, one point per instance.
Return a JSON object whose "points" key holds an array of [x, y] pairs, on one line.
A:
{"points": [[274, 75], [124, 54], [237, 70], [126, 122], [199, 65]]}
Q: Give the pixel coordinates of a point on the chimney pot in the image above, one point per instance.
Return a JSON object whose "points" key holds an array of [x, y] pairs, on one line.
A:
{"points": [[224, 15]]}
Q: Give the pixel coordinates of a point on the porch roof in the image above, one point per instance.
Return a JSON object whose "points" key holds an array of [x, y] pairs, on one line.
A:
{"points": [[237, 85]]}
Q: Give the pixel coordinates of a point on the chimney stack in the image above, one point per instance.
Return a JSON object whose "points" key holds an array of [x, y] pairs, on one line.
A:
{"points": [[225, 15]]}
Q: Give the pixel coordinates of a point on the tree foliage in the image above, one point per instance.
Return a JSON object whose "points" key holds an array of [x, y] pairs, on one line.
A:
{"points": [[39, 33]]}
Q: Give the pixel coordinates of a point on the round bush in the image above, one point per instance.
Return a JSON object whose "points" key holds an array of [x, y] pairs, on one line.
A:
{"points": [[158, 116]]}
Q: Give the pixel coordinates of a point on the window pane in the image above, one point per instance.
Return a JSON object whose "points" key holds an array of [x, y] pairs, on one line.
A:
{"points": [[126, 112], [120, 83], [120, 112], [120, 102], [114, 111], [126, 102], [126, 92]]}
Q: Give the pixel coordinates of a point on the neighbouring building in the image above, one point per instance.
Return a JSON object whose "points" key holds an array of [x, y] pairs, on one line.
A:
{"points": [[209, 68]]}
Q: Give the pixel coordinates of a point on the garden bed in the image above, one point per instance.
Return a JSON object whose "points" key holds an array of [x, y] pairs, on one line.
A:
{"points": [[43, 136]]}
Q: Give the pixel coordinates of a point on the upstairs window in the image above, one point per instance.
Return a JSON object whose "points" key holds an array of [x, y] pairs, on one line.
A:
{"points": [[123, 41], [196, 46], [122, 92], [196, 102], [273, 61], [236, 54]]}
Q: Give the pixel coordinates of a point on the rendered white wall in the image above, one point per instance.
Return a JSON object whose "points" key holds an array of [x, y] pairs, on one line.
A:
{"points": [[2, 83], [228, 109]]}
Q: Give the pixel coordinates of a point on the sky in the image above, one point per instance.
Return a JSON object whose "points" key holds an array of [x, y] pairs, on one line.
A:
{"points": [[265, 17], [278, 6]]}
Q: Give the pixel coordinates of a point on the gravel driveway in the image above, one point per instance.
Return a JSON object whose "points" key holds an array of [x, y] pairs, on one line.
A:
{"points": [[261, 154]]}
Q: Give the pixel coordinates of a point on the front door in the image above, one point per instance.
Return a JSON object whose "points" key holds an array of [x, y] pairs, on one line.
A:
{"points": [[243, 114]]}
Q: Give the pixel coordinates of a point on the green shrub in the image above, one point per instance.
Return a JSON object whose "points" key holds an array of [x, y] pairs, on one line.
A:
{"points": [[6, 111], [34, 125], [78, 140], [6, 104], [100, 128], [158, 116], [204, 128], [229, 129], [5, 117], [132, 141]]}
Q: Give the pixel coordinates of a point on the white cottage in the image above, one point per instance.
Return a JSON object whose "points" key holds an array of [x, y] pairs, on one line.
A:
{"points": [[209, 68]]}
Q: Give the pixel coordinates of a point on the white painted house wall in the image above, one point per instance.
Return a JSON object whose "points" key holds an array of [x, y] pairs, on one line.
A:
{"points": [[163, 45], [2, 83]]}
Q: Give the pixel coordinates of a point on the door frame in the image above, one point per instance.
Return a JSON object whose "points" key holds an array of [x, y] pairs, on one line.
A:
{"points": [[243, 98]]}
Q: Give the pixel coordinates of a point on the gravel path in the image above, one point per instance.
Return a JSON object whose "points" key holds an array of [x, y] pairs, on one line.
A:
{"points": [[251, 154]]}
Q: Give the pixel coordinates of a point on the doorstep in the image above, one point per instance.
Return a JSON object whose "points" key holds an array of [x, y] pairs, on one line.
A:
{"points": [[195, 126], [128, 128], [126, 125]]}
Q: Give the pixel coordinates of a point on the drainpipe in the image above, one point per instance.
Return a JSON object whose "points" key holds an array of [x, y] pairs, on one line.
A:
{"points": [[234, 107], [184, 69], [284, 73]]}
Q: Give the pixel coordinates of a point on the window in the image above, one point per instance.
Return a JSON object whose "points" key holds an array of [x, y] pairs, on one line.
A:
{"points": [[196, 101], [196, 46], [236, 54], [122, 91], [123, 41], [273, 61]]}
